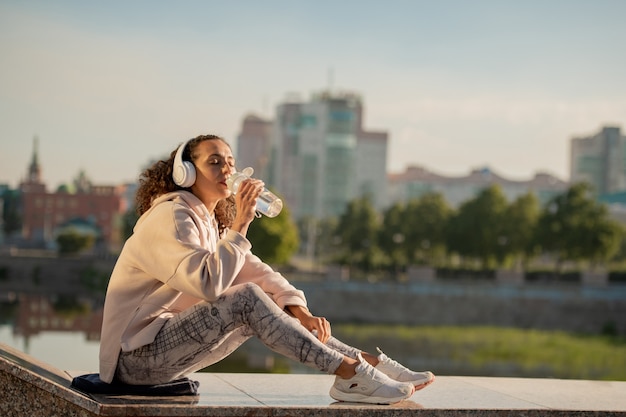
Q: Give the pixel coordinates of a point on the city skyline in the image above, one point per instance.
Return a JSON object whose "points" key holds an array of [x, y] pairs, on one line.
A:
{"points": [[108, 87]]}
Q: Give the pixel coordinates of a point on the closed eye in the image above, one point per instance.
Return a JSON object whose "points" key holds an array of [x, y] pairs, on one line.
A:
{"points": [[219, 161]]}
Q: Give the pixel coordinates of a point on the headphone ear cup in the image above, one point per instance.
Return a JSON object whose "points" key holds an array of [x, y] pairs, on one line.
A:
{"points": [[183, 172]]}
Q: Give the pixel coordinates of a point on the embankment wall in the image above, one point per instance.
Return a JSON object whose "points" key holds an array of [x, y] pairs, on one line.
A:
{"points": [[570, 307], [576, 307]]}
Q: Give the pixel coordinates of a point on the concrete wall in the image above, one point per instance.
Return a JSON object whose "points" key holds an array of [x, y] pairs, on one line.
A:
{"points": [[570, 307], [577, 307]]}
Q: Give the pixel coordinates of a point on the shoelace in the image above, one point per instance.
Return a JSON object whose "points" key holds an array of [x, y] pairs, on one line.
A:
{"points": [[386, 359], [395, 369], [370, 371]]}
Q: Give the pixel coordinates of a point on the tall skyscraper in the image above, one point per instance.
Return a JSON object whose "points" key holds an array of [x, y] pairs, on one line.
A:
{"points": [[324, 158], [254, 146], [600, 160]]}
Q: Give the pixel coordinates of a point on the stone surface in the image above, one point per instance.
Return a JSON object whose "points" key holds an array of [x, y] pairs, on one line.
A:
{"points": [[31, 388]]}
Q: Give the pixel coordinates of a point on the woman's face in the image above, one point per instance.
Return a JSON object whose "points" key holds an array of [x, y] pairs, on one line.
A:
{"points": [[214, 163]]}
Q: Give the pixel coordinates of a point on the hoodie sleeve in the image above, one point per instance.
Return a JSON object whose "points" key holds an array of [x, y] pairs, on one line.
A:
{"points": [[273, 283], [182, 254]]}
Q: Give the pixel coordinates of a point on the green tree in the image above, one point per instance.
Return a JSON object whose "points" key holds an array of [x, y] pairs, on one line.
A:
{"points": [[573, 226], [392, 237], [323, 241], [11, 218], [357, 232], [521, 219], [425, 221], [476, 230], [275, 240]]}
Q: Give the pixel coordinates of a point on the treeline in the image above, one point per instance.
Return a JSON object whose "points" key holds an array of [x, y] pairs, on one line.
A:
{"points": [[484, 233]]}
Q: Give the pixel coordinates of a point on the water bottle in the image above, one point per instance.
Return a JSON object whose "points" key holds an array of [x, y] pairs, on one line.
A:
{"points": [[267, 203]]}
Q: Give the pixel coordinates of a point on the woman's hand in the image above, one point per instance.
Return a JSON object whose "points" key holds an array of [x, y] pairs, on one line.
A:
{"points": [[311, 322], [245, 199]]}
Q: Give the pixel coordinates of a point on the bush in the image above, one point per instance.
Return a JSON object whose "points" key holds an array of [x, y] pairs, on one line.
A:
{"points": [[617, 277], [72, 242], [465, 273], [4, 273], [550, 276]]}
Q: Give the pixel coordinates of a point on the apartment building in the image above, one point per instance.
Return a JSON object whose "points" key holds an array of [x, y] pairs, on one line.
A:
{"points": [[416, 181], [600, 160], [321, 156]]}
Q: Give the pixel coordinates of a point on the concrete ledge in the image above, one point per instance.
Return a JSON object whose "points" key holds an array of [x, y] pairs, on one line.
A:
{"points": [[33, 389]]}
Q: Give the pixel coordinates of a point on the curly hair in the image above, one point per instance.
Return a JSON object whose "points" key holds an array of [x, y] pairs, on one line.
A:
{"points": [[157, 180]]}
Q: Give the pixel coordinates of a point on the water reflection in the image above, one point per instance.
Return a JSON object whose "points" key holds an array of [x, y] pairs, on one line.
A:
{"points": [[64, 331], [37, 313], [61, 330]]}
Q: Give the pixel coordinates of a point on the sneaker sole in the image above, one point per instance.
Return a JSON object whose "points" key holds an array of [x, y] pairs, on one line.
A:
{"points": [[424, 385], [360, 398]]}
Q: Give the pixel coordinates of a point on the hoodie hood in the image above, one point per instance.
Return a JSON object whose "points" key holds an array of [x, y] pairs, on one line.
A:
{"points": [[189, 198]]}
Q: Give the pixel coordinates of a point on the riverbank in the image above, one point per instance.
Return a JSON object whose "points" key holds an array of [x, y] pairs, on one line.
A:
{"points": [[584, 307], [568, 307]]}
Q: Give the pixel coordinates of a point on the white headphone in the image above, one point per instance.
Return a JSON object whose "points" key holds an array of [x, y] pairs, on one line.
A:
{"points": [[183, 172]]}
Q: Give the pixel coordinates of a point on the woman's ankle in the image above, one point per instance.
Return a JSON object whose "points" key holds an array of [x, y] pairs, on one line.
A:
{"points": [[369, 358], [347, 368]]}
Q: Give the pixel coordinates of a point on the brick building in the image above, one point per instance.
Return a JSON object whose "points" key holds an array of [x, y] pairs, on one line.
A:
{"points": [[45, 213]]}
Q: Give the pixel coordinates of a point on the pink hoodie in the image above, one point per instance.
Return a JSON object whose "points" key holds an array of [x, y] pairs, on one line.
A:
{"points": [[174, 260]]}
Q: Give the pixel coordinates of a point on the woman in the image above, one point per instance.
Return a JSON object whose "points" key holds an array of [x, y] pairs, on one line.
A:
{"points": [[186, 291]]}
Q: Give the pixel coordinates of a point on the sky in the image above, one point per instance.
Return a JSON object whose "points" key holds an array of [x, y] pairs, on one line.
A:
{"points": [[108, 86]]}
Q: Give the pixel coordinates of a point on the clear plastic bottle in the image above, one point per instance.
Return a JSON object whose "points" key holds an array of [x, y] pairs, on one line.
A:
{"points": [[267, 203]]}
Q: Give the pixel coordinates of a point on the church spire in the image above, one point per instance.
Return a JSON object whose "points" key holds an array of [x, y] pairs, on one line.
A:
{"points": [[34, 171]]}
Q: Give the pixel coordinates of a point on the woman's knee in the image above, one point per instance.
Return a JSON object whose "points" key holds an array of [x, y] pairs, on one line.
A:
{"points": [[251, 289], [248, 294]]}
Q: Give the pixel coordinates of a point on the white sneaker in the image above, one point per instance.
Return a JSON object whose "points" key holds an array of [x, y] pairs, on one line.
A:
{"points": [[370, 386], [400, 373]]}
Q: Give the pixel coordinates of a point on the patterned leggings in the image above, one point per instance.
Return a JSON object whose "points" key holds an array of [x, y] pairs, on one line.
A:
{"points": [[208, 332]]}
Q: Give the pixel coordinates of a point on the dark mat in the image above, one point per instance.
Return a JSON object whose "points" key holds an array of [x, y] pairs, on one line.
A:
{"points": [[92, 384]]}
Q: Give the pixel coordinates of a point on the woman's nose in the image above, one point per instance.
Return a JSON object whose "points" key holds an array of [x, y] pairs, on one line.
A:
{"points": [[228, 169]]}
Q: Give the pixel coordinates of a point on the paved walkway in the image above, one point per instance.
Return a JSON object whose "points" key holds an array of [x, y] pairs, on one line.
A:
{"points": [[33, 389], [446, 393]]}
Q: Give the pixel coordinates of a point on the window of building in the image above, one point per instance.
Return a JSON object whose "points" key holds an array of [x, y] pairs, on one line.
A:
{"points": [[308, 121], [341, 140], [341, 115], [341, 121]]}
